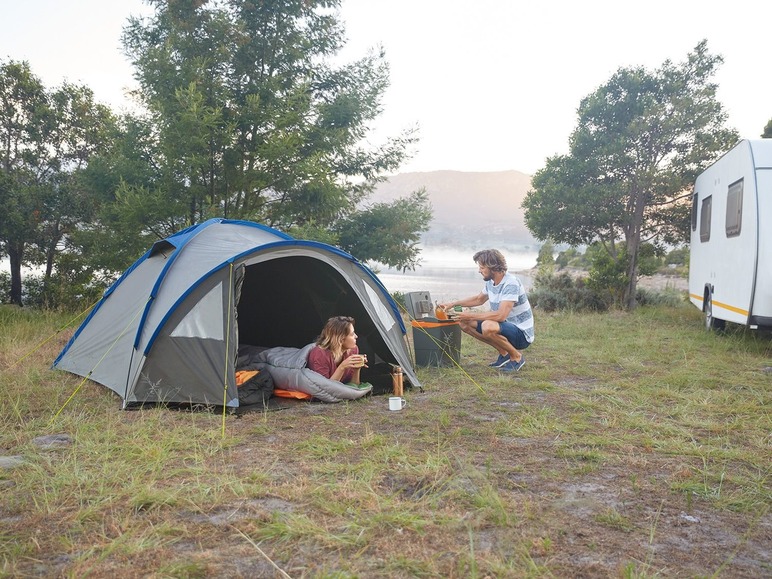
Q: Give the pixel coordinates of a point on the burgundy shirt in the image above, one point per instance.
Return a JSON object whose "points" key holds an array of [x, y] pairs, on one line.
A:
{"points": [[321, 361]]}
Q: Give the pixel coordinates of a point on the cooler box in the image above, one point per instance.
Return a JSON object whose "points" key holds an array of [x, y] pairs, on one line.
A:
{"points": [[436, 342]]}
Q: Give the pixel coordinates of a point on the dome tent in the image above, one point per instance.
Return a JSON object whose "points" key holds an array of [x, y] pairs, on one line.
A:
{"points": [[168, 330]]}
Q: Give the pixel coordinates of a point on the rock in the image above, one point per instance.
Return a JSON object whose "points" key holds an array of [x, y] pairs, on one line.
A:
{"points": [[10, 462], [52, 441], [689, 518]]}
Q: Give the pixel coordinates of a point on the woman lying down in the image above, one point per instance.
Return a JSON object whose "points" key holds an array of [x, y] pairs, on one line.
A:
{"points": [[336, 355]]}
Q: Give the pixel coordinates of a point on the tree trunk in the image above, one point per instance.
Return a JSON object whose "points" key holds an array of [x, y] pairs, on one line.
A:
{"points": [[15, 252], [632, 274], [633, 239]]}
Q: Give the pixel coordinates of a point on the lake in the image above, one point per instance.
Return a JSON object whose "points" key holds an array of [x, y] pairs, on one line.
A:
{"points": [[449, 274]]}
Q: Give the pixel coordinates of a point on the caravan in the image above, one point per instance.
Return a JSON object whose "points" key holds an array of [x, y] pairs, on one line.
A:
{"points": [[730, 265]]}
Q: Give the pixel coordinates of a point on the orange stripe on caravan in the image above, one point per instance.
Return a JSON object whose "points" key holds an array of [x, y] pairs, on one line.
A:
{"points": [[723, 305], [731, 308]]}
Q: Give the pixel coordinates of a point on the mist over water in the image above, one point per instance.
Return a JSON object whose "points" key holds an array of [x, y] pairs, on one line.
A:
{"points": [[449, 274], [446, 273]]}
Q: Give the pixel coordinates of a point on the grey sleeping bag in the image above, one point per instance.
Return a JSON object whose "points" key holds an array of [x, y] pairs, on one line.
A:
{"points": [[288, 369]]}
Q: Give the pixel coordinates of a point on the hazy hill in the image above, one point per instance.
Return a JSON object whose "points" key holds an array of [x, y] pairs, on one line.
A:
{"points": [[470, 209]]}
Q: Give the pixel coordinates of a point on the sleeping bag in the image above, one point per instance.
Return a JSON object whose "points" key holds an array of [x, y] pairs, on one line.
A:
{"points": [[288, 368]]}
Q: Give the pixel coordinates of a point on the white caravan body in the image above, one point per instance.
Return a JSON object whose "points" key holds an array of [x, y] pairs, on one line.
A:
{"points": [[730, 263]]}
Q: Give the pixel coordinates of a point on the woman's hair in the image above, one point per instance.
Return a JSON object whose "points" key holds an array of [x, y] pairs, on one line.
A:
{"points": [[333, 333], [492, 259]]}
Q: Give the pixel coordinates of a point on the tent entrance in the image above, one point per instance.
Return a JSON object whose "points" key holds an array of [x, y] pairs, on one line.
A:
{"points": [[286, 302]]}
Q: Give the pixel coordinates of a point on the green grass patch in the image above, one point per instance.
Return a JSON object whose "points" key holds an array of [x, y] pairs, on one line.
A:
{"points": [[622, 429]]}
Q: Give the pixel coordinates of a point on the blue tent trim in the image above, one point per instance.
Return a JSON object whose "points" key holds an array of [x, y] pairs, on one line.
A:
{"points": [[177, 241], [290, 242]]}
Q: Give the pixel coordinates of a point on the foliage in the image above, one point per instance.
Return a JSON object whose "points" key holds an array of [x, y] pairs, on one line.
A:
{"points": [[669, 297], [67, 290], [31, 289], [387, 232], [597, 291], [654, 259], [249, 119], [546, 255], [48, 138], [767, 134], [245, 117], [649, 258], [399, 299], [562, 292], [571, 257], [641, 140], [607, 277], [120, 232], [678, 256]]}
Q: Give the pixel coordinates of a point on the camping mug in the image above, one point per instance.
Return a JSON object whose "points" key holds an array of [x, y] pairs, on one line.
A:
{"points": [[360, 360], [396, 403]]}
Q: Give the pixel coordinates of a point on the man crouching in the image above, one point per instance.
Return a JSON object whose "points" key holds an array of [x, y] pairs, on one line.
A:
{"points": [[508, 326]]}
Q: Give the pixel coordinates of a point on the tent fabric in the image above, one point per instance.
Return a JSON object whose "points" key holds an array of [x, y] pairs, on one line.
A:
{"points": [[169, 328], [288, 367]]}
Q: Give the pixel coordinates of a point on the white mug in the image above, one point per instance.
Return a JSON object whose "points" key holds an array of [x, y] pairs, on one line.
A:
{"points": [[396, 403]]}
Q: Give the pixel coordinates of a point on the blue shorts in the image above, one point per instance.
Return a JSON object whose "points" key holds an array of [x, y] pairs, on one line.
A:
{"points": [[512, 333]]}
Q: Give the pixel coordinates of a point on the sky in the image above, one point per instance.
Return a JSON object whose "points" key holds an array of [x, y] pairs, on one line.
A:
{"points": [[492, 85]]}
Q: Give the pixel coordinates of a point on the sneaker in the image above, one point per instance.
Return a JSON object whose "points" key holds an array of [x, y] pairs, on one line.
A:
{"points": [[512, 366], [500, 361]]}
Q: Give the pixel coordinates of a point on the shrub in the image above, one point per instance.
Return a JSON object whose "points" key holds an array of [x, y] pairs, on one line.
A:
{"points": [[557, 292], [667, 297], [399, 297], [562, 292], [608, 277], [70, 291]]}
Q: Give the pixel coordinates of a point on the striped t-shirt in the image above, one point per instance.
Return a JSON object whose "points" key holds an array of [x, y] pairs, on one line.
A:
{"points": [[511, 290]]}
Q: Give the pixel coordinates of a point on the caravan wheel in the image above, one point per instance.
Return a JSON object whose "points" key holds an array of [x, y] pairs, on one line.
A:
{"points": [[712, 323]]}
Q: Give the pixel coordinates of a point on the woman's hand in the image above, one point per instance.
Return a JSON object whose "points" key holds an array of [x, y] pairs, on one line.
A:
{"points": [[356, 361]]}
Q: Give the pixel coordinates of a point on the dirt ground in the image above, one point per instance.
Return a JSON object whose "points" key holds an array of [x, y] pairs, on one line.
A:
{"points": [[661, 282], [566, 512], [467, 481]]}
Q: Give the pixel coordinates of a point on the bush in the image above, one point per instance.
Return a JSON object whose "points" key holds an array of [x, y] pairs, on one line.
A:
{"points": [[668, 297], [399, 297], [561, 292], [31, 289], [69, 292]]}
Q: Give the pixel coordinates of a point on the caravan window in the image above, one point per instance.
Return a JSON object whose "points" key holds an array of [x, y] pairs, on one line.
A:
{"points": [[734, 209], [694, 211], [705, 218]]}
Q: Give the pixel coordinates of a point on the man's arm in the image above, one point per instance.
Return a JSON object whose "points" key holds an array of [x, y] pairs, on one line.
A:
{"points": [[469, 302], [499, 315]]}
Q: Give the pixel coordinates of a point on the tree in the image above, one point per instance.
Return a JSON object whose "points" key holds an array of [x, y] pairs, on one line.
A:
{"points": [[125, 186], [546, 256], [568, 257], [22, 98], [251, 120], [767, 134], [387, 232], [47, 139], [640, 142]]}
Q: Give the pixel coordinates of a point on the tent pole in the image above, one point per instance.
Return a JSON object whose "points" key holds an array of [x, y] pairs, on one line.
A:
{"points": [[227, 346]]}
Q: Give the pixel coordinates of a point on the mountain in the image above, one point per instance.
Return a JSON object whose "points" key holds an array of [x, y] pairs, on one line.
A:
{"points": [[470, 209]]}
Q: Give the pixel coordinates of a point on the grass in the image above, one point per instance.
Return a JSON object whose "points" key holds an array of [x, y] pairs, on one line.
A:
{"points": [[630, 445]]}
